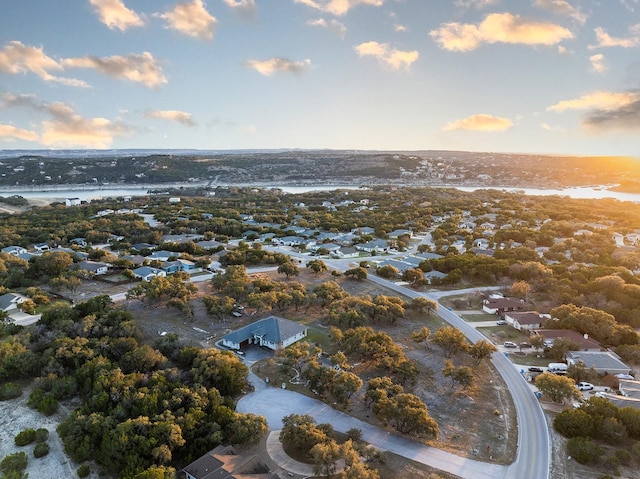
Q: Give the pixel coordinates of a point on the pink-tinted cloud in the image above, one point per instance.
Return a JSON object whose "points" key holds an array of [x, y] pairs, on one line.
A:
{"points": [[390, 57], [480, 122], [191, 19], [338, 7], [12, 133], [278, 64], [115, 15], [172, 115], [138, 68]]}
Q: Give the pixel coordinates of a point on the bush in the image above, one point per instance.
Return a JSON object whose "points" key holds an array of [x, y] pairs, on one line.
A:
{"points": [[42, 434], [84, 470], [25, 437], [13, 463], [43, 402], [635, 450], [623, 457], [41, 449], [583, 450], [10, 391]]}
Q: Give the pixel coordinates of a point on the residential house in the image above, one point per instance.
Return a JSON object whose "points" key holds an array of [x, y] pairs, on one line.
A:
{"points": [[605, 362], [525, 320], [481, 243], [162, 255], [395, 234], [94, 267], [41, 247], [171, 267], [346, 252], [223, 463], [142, 246], [375, 246], [550, 335], [619, 239], [500, 306], [272, 332], [14, 250], [10, 301], [431, 275], [72, 201], [147, 273], [182, 238], [629, 394], [289, 241]]}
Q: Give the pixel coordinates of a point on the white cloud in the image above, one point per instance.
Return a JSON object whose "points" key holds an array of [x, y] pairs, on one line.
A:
{"points": [[563, 7], [12, 133], [114, 14], [397, 27], [498, 28], [480, 122], [332, 24], [17, 58], [477, 4], [601, 100], [338, 7], [246, 8], [191, 19], [142, 68], [172, 115], [278, 64], [598, 64], [395, 59], [606, 40]]}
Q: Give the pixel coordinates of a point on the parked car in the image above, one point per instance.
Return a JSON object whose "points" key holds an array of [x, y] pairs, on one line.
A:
{"points": [[510, 344], [535, 369], [501, 322], [583, 386]]}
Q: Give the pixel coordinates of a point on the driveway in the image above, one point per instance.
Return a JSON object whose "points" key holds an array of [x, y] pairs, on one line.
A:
{"points": [[275, 403]]}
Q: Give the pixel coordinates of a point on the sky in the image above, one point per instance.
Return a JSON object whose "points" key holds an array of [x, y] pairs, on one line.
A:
{"points": [[514, 76]]}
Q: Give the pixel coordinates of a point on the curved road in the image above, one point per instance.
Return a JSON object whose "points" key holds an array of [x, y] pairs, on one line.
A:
{"points": [[534, 445]]}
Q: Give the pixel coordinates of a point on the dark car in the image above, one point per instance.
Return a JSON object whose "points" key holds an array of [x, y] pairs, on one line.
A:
{"points": [[534, 369]]}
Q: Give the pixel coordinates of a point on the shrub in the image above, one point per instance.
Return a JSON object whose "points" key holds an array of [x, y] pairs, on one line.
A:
{"points": [[583, 450], [10, 391], [43, 402], [41, 449], [42, 434], [84, 470], [623, 456], [635, 450], [13, 463], [25, 437]]}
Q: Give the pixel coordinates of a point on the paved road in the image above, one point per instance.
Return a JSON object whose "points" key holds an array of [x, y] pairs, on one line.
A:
{"points": [[274, 404]]}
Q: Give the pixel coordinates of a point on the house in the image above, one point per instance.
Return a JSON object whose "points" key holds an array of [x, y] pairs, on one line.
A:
{"points": [[79, 241], [629, 388], [72, 201], [481, 243], [605, 362], [431, 275], [619, 239], [272, 332], [346, 252], [142, 246], [395, 234], [288, 241], [223, 463], [162, 255], [10, 301], [14, 250], [375, 246], [174, 200], [525, 320], [550, 335], [147, 273], [171, 267], [94, 267], [501, 305], [41, 247]]}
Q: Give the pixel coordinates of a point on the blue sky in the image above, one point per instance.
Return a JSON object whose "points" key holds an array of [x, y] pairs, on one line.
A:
{"points": [[532, 76]]}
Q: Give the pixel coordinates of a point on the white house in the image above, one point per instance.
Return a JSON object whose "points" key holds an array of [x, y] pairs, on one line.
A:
{"points": [[147, 273], [14, 250], [10, 301], [94, 267], [72, 201], [525, 320], [273, 332]]}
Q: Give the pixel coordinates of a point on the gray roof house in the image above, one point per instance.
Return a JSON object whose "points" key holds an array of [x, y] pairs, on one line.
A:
{"points": [[94, 267], [10, 301], [147, 273], [605, 362], [223, 463], [377, 245], [272, 332], [14, 250]]}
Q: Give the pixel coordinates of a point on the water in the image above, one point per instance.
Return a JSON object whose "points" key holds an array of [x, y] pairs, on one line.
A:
{"points": [[90, 194]]}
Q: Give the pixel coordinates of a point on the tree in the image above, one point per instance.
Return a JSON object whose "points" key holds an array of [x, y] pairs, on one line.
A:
{"points": [[298, 355], [14, 463], [482, 349], [328, 292], [387, 271], [219, 307], [560, 348], [288, 269], [325, 455], [556, 387], [344, 385], [414, 276], [300, 432], [520, 289], [317, 266], [408, 413], [583, 450], [537, 341], [579, 372], [423, 305], [221, 370], [421, 335], [462, 375], [359, 273], [451, 340]]}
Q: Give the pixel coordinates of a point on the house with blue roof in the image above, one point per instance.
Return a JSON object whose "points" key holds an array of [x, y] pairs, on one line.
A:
{"points": [[272, 332]]}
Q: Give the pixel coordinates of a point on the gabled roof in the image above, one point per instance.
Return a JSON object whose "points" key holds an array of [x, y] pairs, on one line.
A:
{"points": [[273, 329], [10, 299], [223, 463], [526, 317], [601, 360]]}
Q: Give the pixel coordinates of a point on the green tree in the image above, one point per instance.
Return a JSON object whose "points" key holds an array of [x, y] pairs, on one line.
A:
{"points": [[583, 450], [388, 271], [557, 388], [408, 413], [221, 370], [325, 456], [288, 269], [424, 305], [14, 463], [480, 350], [219, 307], [298, 356], [462, 375], [451, 340], [359, 273], [317, 266]]}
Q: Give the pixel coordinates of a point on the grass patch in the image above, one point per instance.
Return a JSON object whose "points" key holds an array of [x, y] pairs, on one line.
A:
{"points": [[477, 318]]}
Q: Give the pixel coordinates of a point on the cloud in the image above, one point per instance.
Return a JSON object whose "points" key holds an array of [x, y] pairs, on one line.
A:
{"points": [[498, 28], [16, 58], [246, 8], [597, 63], [600, 100], [115, 15], [278, 64], [338, 7], [139, 68], [172, 115], [626, 117], [562, 7], [333, 25], [606, 40], [479, 122], [191, 19], [11, 133], [397, 27], [395, 59], [477, 4], [64, 127]]}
